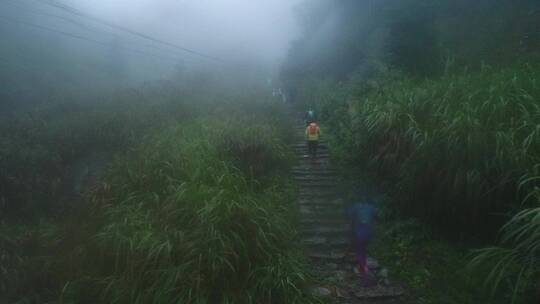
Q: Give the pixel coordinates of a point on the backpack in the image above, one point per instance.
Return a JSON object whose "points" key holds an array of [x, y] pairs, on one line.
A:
{"points": [[312, 129]]}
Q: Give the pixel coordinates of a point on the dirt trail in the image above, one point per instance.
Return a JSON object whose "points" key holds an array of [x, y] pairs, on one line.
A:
{"points": [[325, 233]]}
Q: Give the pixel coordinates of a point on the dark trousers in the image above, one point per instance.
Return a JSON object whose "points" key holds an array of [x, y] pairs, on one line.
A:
{"points": [[312, 147], [362, 235]]}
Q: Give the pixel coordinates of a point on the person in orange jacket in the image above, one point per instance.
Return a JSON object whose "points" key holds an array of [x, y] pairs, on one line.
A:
{"points": [[313, 133]]}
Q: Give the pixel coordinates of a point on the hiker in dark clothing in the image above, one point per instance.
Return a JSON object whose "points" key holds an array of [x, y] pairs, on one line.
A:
{"points": [[309, 117], [362, 215]]}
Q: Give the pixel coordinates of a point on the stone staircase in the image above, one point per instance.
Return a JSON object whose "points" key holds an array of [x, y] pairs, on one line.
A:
{"points": [[324, 230]]}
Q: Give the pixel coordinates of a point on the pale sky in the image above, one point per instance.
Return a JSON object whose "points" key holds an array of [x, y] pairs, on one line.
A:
{"points": [[238, 30]]}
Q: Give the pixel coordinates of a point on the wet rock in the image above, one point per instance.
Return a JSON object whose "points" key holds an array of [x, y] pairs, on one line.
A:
{"points": [[331, 265], [340, 293], [373, 264], [340, 275], [327, 255], [383, 277], [379, 292], [320, 291], [314, 241]]}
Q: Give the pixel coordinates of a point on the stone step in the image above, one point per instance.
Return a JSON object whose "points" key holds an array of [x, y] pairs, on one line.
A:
{"points": [[307, 156], [318, 221], [315, 188], [322, 245], [310, 193], [379, 292], [316, 184], [321, 206], [324, 223], [330, 255], [314, 172], [303, 144], [327, 215], [328, 241], [315, 178], [304, 194], [313, 161], [311, 169], [312, 178], [303, 150], [311, 189], [310, 211], [307, 167], [315, 201], [327, 231], [330, 205]]}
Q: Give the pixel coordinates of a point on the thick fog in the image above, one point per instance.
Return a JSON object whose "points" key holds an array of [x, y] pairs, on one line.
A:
{"points": [[50, 46], [242, 31]]}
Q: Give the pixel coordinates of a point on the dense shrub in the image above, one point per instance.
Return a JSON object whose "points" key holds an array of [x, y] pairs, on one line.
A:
{"points": [[38, 146], [183, 224], [454, 148], [460, 152]]}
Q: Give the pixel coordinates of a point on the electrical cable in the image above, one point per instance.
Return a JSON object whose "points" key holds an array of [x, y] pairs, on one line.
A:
{"points": [[75, 36], [84, 26], [77, 12]]}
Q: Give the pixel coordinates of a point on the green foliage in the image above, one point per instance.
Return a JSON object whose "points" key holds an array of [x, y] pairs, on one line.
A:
{"points": [[453, 152], [194, 209], [450, 150], [38, 146], [454, 148], [416, 37], [434, 270], [517, 262], [183, 224]]}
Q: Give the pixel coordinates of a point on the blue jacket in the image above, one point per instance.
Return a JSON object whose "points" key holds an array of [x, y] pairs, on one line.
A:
{"points": [[362, 216]]}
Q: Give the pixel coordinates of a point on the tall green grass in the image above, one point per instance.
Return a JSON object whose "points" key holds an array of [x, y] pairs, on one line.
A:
{"points": [[184, 224], [457, 151], [38, 146], [195, 208], [455, 148], [515, 263]]}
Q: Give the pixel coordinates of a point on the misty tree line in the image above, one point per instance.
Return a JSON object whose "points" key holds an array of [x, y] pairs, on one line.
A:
{"points": [[54, 52], [417, 37]]}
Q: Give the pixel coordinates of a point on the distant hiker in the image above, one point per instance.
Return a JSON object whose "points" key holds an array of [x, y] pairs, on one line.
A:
{"points": [[362, 215], [309, 117], [313, 132]]}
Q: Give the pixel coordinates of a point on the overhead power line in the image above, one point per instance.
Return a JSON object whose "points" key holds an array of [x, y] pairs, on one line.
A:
{"points": [[79, 37], [80, 24], [77, 12]]}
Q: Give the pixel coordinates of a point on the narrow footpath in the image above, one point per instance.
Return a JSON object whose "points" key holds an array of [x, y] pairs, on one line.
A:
{"points": [[325, 233]]}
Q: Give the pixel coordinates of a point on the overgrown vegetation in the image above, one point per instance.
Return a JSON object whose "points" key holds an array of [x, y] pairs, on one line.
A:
{"points": [[39, 145], [434, 270], [197, 210], [444, 116], [459, 152], [463, 141]]}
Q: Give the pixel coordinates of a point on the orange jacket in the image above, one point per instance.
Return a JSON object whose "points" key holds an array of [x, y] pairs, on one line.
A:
{"points": [[313, 132]]}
